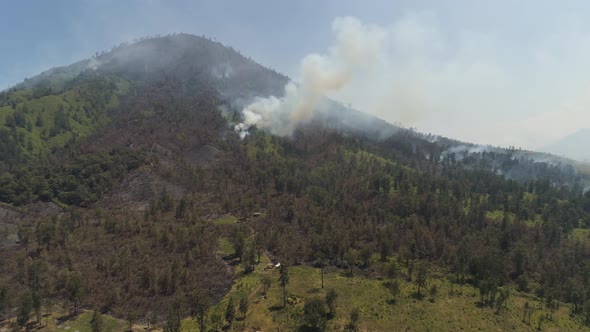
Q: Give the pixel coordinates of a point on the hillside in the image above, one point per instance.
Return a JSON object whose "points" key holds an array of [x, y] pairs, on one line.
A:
{"points": [[133, 196]]}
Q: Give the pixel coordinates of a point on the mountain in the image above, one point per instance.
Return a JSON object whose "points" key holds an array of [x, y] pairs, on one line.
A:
{"points": [[181, 56], [572, 146], [206, 65], [125, 190]]}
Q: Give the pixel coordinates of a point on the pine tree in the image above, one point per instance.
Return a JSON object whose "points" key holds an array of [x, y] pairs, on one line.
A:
{"points": [[230, 312], [284, 281]]}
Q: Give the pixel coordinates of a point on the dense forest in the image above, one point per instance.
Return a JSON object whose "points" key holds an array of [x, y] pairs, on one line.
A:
{"points": [[113, 179]]}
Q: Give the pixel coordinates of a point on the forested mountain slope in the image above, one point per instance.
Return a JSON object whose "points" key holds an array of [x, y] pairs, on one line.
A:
{"points": [[117, 172]]}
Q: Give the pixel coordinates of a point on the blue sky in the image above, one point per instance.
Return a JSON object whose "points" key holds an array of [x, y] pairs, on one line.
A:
{"points": [[498, 72]]}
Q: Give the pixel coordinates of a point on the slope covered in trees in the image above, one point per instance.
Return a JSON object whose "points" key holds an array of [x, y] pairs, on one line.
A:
{"points": [[143, 160]]}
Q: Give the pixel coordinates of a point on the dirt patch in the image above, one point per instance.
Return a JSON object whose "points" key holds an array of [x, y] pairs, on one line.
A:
{"points": [[43, 209], [8, 235], [9, 215], [203, 156]]}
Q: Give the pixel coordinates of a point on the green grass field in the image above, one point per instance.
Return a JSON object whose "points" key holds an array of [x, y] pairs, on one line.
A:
{"points": [[59, 320], [455, 308], [225, 220]]}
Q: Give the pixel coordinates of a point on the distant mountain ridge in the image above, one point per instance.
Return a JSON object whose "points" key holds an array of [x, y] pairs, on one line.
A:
{"points": [[574, 146]]}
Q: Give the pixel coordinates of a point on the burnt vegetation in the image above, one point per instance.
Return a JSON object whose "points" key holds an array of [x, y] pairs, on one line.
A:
{"points": [[131, 231]]}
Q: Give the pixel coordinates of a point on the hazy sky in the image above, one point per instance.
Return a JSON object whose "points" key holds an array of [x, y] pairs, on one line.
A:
{"points": [[494, 72]]}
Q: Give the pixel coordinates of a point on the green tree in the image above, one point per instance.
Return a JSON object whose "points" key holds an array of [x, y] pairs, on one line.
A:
{"points": [[174, 317], [39, 121], [351, 258], [25, 304], [45, 233], [421, 277], [394, 287], [74, 290], [432, 292], [181, 208], [503, 295], [37, 303], [166, 201], [61, 121], [266, 282], [540, 322], [284, 281], [355, 317], [366, 255], [243, 307], [384, 249], [258, 246], [131, 318], [215, 320], [199, 302], [152, 319], [391, 270], [36, 275], [331, 298], [314, 313], [97, 322], [238, 241], [552, 305], [525, 311], [24, 235], [586, 311], [230, 311], [4, 300], [248, 258]]}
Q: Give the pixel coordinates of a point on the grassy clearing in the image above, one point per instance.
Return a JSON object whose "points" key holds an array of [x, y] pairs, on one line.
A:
{"points": [[225, 248], [59, 320], [247, 285], [225, 220], [454, 308]]}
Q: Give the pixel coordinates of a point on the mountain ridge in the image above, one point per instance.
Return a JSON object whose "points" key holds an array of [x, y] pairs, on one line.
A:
{"points": [[572, 146], [231, 74]]}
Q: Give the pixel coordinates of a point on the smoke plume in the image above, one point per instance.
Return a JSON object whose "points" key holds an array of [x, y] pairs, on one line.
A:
{"points": [[357, 47], [460, 83]]}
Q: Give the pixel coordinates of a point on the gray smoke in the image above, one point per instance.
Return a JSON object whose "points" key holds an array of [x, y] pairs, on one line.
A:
{"points": [[357, 46]]}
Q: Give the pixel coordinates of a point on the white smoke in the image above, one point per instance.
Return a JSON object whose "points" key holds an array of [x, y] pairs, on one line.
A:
{"points": [[455, 82], [223, 71], [93, 63], [357, 46]]}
